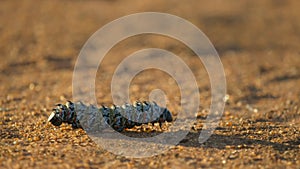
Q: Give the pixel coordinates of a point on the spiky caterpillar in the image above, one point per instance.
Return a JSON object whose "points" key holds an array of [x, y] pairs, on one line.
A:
{"points": [[118, 117]]}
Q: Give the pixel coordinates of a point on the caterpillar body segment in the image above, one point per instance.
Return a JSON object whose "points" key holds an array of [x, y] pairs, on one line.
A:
{"points": [[118, 117]]}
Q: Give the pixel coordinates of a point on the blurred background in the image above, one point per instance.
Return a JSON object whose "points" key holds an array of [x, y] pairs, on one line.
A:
{"points": [[43, 36], [42, 39]]}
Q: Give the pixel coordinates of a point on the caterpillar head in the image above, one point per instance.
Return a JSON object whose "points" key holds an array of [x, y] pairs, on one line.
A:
{"points": [[55, 117], [62, 113]]}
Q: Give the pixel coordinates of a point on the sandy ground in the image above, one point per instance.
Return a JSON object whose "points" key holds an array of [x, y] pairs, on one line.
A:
{"points": [[259, 46]]}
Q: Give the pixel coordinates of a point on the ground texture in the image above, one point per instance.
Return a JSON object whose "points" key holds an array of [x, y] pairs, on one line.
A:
{"points": [[259, 46]]}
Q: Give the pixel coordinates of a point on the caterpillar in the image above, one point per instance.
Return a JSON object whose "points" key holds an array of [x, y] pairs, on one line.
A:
{"points": [[119, 118]]}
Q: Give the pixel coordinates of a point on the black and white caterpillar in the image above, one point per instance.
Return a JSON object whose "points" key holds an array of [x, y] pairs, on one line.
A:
{"points": [[118, 117]]}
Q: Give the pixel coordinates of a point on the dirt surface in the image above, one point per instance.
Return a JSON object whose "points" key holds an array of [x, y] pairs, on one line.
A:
{"points": [[259, 46]]}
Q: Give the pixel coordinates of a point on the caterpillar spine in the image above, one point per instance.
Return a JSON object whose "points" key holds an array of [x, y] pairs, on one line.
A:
{"points": [[90, 117]]}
